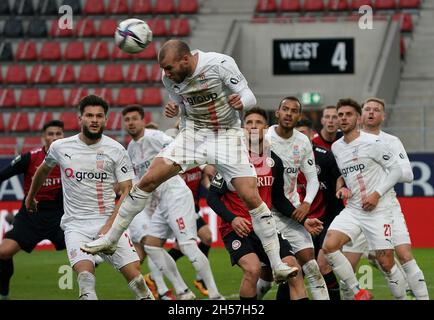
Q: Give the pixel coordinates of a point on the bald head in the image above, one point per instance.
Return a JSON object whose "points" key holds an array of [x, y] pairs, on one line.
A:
{"points": [[175, 48], [176, 60]]}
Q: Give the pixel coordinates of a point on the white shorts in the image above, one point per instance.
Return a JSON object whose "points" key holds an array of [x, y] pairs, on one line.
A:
{"points": [[400, 233], [376, 226], [139, 227], [225, 149], [296, 234]]}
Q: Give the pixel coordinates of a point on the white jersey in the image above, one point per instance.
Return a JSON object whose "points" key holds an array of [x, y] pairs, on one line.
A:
{"points": [[89, 173], [203, 97], [364, 163], [297, 155]]}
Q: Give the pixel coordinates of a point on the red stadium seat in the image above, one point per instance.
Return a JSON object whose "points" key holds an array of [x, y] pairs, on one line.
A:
{"points": [[151, 97], [158, 27], [50, 51], [53, 98], [26, 51], [29, 97], [266, 6], [117, 7], [16, 74], [156, 73], [89, 73], [114, 121], [356, 4], [7, 98], [385, 4], [141, 7], [188, 6], [409, 4], [137, 73], [307, 19], [105, 93], [98, 50], [290, 5], [64, 74], [150, 52], [2, 127], [313, 5], [405, 21], [41, 118], [8, 146], [41, 74], [85, 28], [179, 27], [70, 121], [74, 50], [337, 5], [107, 27], [18, 122], [31, 143], [113, 73], [164, 7], [55, 31], [75, 96], [119, 54], [94, 7], [126, 96]]}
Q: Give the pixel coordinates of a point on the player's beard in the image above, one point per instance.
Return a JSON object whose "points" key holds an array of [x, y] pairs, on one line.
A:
{"points": [[92, 135]]}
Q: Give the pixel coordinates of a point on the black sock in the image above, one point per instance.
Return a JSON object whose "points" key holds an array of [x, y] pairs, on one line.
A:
{"points": [[175, 253], [6, 272], [204, 248], [249, 298], [283, 292], [332, 286]]}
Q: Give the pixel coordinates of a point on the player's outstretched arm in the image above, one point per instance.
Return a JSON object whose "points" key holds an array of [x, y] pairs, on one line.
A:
{"points": [[38, 180]]}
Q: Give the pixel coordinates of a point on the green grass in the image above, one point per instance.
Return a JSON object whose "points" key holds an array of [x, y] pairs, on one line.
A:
{"points": [[37, 277]]}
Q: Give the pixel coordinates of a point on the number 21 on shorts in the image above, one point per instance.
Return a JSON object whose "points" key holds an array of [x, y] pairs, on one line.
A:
{"points": [[180, 222], [387, 230]]}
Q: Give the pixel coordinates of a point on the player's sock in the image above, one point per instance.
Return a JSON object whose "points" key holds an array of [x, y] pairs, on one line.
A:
{"points": [[86, 285], [332, 286], [347, 293], [396, 282], [265, 228], [157, 276], [318, 287], [416, 280], [175, 253], [283, 292], [133, 203], [248, 298], [167, 266], [262, 287], [201, 265], [342, 267], [204, 248], [140, 289], [6, 272]]}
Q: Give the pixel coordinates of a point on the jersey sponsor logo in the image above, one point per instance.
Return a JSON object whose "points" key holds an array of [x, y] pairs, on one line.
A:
{"points": [[290, 170], [310, 162], [202, 98], [217, 181], [265, 181], [356, 168], [386, 157], [234, 80], [51, 182], [80, 175], [401, 156], [236, 244]]}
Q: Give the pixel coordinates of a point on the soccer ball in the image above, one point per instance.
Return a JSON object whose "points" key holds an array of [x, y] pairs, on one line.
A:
{"points": [[133, 35]]}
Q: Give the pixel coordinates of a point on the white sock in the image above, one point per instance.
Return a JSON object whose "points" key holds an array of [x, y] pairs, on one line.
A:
{"points": [[416, 280], [167, 266], [86, 285], [343, 269], [140, 289], [262, 287], [396, 282], [157, 276], [265, 228], [347, 293], [201, 265], [318, 287], [133, 203]]}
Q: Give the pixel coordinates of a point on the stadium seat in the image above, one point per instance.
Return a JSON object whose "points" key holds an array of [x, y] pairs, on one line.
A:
{"points": [[64, 74], [55, 31], [119, 54], [150, 52], [114, 121], [155, 75], [29, 98], [75, 96], [188, 6], [313, 5], [74, 4], [164, 7], [105, 93], [385, 4], [2, 127], [70, 121], [88, 73], [94, 7], [405, 21], [356, 4], [306, 19], [107, 27], [179, 27], [13, 28], [98, 50], [30, 143], [40, 119], [53, 98], [7, 98], [151, 97], [16, 74], [117, 7], [23, 7], [266, 6], [74, 50], [136, 73], [126, 96], [337, 5], [18, 122], [141, 7], [40, 74], [26, 50], [47, 7], [158, 27], [290, 5], [37, 28], [8, 146], [4, 8], [85, 28], [409, 4], [50, 51], [6, 51], [113, 73]]}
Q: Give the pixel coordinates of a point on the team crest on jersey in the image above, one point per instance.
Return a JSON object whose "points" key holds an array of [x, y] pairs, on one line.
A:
{"points": [[270, 162], [73, 253], [236, 244], [296, 151], [100, 159]]}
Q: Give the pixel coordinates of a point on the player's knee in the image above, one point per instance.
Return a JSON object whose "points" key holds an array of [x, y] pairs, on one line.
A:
{"points": [[386, 263], [5, 254], [404, 256], [252, 272], [329, 247], [205, 236]]}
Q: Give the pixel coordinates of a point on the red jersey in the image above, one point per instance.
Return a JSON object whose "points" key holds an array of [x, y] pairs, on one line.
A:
{"points": [[192, 178], [318, 140], [318, 206]]}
